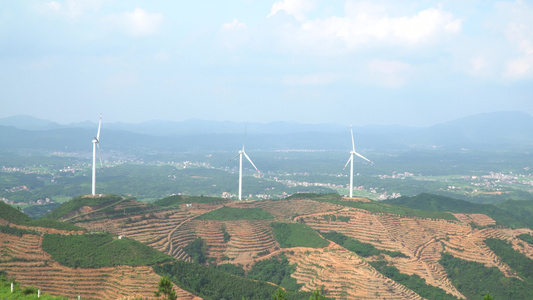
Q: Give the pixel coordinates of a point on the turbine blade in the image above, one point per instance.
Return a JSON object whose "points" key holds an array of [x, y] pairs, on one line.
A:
{"points": [[363, 157], [251, 161], [99, 124], [233, 158], [353, 144], [347, 162], [100, 155]]}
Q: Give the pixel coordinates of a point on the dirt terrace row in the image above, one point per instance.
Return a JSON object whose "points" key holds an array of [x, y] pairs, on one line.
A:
{"points": [[423, 240], [29, 265], [344, 275]]}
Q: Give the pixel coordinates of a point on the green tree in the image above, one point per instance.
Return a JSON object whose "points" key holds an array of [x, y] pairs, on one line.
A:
{"points": [[488, 297], [166, 288], [279, 295], [317, 295]]}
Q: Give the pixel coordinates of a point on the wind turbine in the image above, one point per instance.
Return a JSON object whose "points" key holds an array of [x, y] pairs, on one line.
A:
{"points": [[350, 161], [96, 142], [241, 153]]}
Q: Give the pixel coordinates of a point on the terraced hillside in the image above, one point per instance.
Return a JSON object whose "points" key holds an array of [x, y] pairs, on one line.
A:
{"points": [[242, 240], [22, 257]]}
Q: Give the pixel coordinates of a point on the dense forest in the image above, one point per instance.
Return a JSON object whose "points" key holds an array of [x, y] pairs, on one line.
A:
{"points": [[210, 283], [474, 280]]}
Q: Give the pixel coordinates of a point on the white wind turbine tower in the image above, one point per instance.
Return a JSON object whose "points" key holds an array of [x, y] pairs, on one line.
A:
{"points": [[96, 142], [350, 160], [241, 153]]}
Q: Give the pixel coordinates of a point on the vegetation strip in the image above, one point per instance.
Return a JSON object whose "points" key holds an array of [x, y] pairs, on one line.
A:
{"points": [[297, 235], [520, 263], [100, 250], [211, 284], [474, 280], [10, 214], [277, 270], [412, 282], [232, 213], [362, 249], [376, 207], [20, 292]]}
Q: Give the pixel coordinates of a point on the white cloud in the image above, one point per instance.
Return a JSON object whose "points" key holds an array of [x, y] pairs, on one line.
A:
{"points": [[162, 56], [519, 68], [73, 8], [424, 25], [370, 25], [234, 25], [387, 67], [311, 79], [54, 6], [296, 8], [234, 34], [478, 64], [519, 32], [388, 73], [137, 23], [122, 81]]}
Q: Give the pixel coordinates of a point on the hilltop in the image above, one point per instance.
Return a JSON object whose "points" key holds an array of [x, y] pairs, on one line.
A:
{"points": [[352, 248]]}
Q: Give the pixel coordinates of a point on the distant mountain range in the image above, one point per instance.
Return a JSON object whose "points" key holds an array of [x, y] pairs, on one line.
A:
{"points": [[491, 131]]}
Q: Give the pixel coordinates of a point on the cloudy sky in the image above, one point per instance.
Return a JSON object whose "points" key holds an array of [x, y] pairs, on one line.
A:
{"points": [[414, 63]]}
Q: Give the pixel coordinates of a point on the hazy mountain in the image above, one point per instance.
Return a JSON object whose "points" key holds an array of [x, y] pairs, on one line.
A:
{"points": [[498, 131], [28, 123]]}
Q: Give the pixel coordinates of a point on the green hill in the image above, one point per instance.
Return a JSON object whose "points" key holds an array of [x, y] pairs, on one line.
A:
{"points": [[78, 202], [13, 215], [521, 208], [376, 206], [430, 202]]}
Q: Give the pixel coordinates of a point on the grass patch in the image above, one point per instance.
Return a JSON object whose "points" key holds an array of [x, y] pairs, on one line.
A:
{"points": [[20, 292], [297, 235], [232, 213]]}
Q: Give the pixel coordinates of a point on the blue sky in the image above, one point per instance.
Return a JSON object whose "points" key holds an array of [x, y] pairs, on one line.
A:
{"points": [[414, 63]]}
